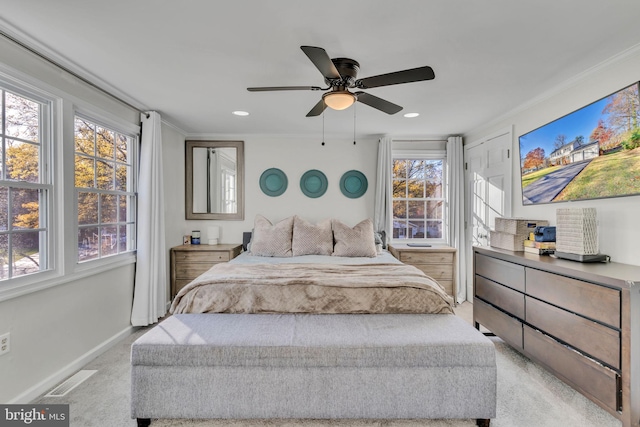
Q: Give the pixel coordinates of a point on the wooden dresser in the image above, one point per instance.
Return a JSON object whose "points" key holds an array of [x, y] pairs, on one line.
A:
{"points": [[437, 262], [189, 261], [579, 320]]}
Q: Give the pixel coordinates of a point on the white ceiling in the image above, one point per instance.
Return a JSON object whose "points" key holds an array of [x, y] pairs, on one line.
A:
{"points": [[192, 60]]}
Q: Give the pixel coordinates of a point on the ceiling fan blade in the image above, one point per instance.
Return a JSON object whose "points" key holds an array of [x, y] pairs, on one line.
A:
{"points": [[378, 103], [317, 109], [398, 77], [270, 88], [321, 60]]}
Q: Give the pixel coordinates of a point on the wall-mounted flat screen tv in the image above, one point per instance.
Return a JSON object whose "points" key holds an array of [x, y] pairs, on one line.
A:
{"points": [[591, 153]]}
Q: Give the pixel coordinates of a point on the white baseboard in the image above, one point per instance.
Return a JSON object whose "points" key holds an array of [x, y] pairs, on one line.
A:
{"points": [[38, 389]]}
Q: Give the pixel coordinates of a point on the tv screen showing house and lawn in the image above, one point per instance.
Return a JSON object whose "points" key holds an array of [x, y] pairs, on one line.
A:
{"points": [[591, 153]]}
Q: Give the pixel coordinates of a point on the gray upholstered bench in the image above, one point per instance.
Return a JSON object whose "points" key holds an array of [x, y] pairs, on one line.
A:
{"points": [[379, 366]]}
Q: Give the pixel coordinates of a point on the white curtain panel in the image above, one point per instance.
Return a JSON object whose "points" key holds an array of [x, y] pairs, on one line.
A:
{"points": [[455, 179], [151, 292], [382, 207]]}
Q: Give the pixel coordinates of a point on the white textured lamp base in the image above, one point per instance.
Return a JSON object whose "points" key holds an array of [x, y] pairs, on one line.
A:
{"points": [[213, 241], [577, 231]]}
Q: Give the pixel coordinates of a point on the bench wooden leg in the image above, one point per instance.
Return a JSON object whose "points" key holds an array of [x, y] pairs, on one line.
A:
{"points": [[143, 422], [481, 422]]}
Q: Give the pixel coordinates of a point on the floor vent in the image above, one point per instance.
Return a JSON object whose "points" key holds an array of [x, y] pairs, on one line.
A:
{"points": [[71, 383]]}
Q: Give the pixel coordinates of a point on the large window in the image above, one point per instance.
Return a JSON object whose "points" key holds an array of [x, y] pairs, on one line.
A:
{"points": [[25, 183], [105, 190], [418, 198]]}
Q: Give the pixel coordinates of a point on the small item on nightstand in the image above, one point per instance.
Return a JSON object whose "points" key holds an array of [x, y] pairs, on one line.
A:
{"points": [[186, 239], [213, 234], [195, 237]]}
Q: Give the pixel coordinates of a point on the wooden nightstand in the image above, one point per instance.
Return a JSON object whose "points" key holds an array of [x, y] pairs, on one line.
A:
{"points": [[437, 262], [189, 261]]}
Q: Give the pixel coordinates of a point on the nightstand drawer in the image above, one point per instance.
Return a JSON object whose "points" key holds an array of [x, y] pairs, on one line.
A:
{"points": [[436, 271], [190, 261], [190, 271], [196, 256], [181, 283], [437, 262], [426, 258]]}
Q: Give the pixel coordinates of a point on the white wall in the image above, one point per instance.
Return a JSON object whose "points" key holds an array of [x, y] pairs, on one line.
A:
{"points": [[294, 156], [55, 331], [619, 233]]}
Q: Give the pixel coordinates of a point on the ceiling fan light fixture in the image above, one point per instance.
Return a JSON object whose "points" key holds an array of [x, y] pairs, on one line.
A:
{"points": [[339, 99]]}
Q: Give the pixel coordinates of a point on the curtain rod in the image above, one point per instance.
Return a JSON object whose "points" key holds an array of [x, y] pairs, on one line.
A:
{"points": [[74, 74]]}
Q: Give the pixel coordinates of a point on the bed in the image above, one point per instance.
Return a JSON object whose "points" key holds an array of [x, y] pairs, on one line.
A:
{"points": [[320, 336]]}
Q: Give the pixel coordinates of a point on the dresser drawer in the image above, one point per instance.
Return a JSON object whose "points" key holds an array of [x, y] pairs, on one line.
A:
{"points": [[593, 338], [426, 257], [590, 300], [506, 327], [190, 271], [500, 296], [436, 271], [587, 376], [505, 273], [201, 256]]}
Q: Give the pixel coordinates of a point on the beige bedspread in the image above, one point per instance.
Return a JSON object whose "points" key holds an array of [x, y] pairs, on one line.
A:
{"points": [[312, 288]]}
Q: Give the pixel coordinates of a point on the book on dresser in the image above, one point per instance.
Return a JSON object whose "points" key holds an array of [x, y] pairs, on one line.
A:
{"points": [[579, 321], [539, 251]]}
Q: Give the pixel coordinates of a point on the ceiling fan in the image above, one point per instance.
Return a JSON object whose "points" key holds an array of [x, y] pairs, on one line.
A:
{"points": [[340, 76]]}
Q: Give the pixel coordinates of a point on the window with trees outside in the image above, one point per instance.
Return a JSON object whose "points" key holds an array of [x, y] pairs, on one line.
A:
{"points": [[105, 190], [418, 199], [25, 183]]}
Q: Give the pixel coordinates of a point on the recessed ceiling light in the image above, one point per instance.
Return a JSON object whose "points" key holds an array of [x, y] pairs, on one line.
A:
{"points": [[411, 115], [240, 113]]}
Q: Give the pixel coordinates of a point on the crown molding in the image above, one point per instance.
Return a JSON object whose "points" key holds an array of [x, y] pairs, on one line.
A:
{"points": [[567, 84], [48, 54]]}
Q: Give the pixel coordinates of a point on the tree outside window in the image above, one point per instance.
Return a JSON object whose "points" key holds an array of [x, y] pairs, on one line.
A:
{"points": [[24, 188], [104, 187], [418, 200]]}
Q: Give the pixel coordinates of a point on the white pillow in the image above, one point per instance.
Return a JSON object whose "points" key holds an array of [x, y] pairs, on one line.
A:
{"points": [[272, 240], [311, 239], [358, 241]]}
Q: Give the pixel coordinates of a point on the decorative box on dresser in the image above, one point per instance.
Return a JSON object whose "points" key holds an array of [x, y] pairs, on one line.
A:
{"points": [[579, 320], [437, 262], [189, 261]]}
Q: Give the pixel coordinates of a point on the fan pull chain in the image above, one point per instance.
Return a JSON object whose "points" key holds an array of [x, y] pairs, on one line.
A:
{"points": [[354, 124], [323, 123]]}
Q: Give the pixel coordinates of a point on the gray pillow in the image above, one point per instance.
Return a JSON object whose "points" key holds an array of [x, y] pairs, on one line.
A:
{"points": [[354, 242], [272, 239]]}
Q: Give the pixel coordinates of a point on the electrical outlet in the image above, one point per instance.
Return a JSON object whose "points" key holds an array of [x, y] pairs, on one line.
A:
{"points": [[5, 343]]}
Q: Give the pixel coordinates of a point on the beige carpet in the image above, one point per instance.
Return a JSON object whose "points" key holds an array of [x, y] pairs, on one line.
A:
{"points": [[528, 396]]}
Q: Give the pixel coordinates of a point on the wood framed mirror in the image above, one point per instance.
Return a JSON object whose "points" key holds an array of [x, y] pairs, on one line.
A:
{"points": [[214, 181]]}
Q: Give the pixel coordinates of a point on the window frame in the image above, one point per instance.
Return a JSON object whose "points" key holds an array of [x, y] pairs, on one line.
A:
{"points": [[47, 202], [426, 154], [126, 129]]}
